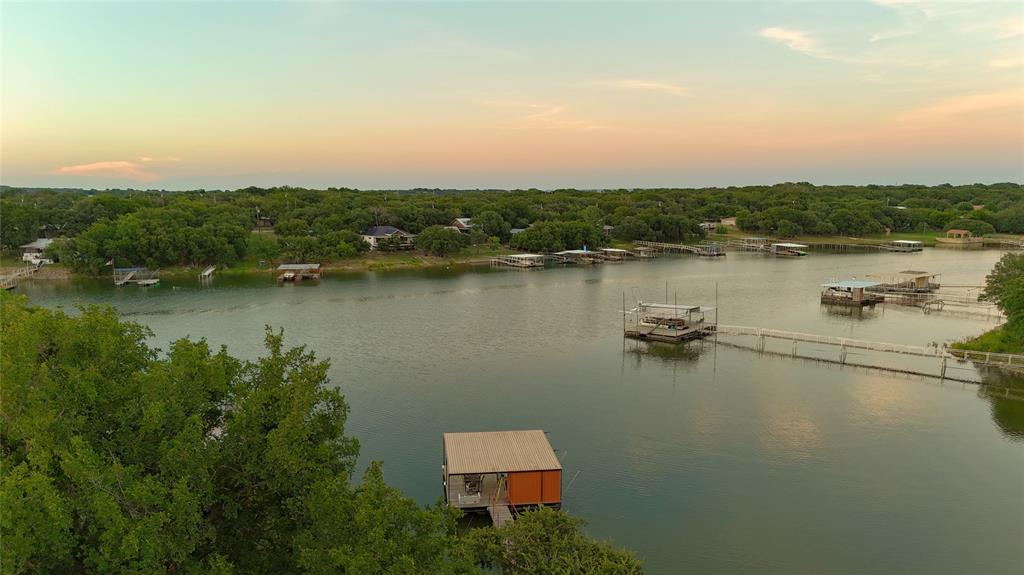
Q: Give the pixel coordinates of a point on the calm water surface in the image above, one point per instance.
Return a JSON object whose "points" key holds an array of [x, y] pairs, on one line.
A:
{"points": [[703, 460]]}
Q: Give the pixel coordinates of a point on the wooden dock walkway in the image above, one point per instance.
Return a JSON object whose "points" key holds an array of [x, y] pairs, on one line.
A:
{"points": [[10, 281], [705, 250], [1003, 243], [500, 514], [1004, 360]]}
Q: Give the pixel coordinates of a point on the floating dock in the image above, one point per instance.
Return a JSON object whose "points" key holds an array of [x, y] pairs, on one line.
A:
{"points": [[670, 323], [298, 272], [851, 293], [519, 261], [142, 277]]}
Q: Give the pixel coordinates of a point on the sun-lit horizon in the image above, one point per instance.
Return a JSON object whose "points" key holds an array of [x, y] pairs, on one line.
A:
{"points": [[226, 95]]}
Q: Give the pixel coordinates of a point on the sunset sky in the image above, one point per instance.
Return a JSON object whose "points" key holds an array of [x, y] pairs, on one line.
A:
{"points": [[389, 95]]}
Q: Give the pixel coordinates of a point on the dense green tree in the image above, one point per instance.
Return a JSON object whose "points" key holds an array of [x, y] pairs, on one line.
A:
{"points": [[546, 541], [441, 241], [788, 229], [491, 223], [1004, 286], [117, 461], [975, 226], [263, 246]]}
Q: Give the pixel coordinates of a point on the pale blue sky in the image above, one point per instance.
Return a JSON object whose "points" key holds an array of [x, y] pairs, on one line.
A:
{"points": [[481, 94]]}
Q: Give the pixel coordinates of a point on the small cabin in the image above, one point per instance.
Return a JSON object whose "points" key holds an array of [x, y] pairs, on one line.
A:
{"points": [[850, 293], [786, 249], [488, 469], [960, 238], [906, 246]]}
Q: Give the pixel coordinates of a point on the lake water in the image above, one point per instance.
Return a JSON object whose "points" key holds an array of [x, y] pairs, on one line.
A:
{"points": [[703, 460]]}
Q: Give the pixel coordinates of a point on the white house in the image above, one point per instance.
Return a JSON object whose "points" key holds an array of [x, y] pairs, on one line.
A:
{"points": [[376, 234]]}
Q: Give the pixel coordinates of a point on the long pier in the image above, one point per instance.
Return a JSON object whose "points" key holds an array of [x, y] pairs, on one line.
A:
{"points": [[706, 249], [1003, 360], [762, 245]]}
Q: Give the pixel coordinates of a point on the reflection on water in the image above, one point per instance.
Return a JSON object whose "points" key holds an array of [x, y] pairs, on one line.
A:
{"points": [[1005, 393], [859, 313], [666, 352]]}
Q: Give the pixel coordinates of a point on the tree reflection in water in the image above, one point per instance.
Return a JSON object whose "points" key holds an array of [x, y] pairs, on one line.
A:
{"points": [[1005, 392]]}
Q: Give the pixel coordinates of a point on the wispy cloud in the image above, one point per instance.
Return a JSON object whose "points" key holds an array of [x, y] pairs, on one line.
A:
{"points": [[795, 40], [966, 104], [138, 171], [1011, 62], [804, 43], [641, 85], [543, 116]]}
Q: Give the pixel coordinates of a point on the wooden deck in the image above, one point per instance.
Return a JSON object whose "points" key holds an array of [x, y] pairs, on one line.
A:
{"points": [[670, 336], [10, 281]]}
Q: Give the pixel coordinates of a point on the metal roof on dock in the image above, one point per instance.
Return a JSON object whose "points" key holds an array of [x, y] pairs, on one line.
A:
{"points": [[850, 284], [298, 267], [498, 451]]}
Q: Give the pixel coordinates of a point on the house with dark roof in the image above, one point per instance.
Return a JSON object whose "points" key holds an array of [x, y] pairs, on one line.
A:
{"points": [[388, 237]]}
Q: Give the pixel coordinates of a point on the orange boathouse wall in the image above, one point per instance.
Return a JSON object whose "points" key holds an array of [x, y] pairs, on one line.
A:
{"points": [[533, 487]]}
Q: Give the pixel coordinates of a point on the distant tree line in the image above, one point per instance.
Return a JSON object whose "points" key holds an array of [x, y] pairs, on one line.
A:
{"points": [[157, 228]]}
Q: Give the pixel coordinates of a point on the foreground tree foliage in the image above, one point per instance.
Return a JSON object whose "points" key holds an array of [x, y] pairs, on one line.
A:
{"points": [[1004, 286], [546, 541], [119, 460]]}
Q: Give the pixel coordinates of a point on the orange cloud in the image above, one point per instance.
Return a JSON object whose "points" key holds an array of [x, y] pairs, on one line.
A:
{"points": [[644, 85], [112, 169], [967, 104]]}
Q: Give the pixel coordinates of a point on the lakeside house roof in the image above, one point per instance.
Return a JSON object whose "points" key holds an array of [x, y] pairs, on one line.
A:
{"points": [[498, 451], [40, 244], [298, 267], [515, 231], [384, 232], [850, 284], [462, 222]]}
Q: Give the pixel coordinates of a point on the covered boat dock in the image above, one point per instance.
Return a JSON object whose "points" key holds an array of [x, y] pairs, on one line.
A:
{"points": [[850, 293], [298, 272], [914, 281], [500, 471], [671, 323]]}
